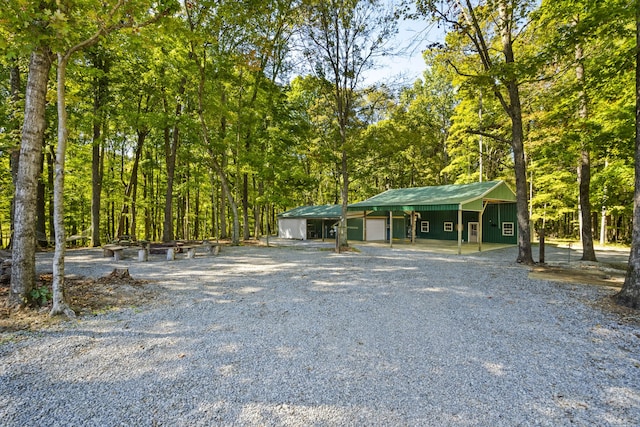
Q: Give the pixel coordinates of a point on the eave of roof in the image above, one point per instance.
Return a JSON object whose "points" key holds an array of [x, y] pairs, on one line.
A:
{"points": [[314, 212], [445, 197]]}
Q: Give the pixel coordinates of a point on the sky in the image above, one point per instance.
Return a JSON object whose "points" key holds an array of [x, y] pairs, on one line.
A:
{"points": [[403, 69]]}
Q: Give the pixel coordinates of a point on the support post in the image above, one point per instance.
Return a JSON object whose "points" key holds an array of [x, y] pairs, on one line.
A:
{"points": [[364, 226], [413, 227], [460, 230], [484, 206], [391, 229]]}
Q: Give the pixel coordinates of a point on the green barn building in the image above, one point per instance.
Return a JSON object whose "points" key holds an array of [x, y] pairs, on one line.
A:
{"points": [[475, 213]]}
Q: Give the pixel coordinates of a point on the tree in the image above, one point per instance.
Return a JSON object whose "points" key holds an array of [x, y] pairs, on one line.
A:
{"points": [[112, 20], [629, 295], [342, 39], [488, 27], [23, 273]]}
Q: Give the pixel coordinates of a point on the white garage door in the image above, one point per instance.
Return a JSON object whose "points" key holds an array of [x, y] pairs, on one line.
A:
{"points": [[376, 229], [292, 228]]}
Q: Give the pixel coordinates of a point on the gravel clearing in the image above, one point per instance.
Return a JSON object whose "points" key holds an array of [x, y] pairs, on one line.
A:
{"points": [[301, 336]]}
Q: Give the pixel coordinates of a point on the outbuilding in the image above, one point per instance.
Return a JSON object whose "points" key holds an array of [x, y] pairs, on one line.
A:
{"points": [[475, 213], [309, 222], [317, 222]]}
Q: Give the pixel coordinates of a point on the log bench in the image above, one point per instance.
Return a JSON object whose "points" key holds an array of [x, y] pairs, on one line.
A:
{"points": [[114, 251]]}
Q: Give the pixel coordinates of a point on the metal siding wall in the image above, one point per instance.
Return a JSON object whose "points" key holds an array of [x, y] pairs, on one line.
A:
{"points": [[399, 228], [436, 225], [290, 228], [493, 218], [354, 229]]}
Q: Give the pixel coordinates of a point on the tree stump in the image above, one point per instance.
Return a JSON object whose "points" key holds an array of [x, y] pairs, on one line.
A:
{"points": [[120, 273], [191, 252]]}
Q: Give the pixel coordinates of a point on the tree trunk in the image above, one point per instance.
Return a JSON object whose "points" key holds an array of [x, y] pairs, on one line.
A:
{"points": [[23, 272], [584, 177], [258, 209], [50, 167], [342, 232], [41, 208], [14, 157], [167, 227], [517, 145], [130, 190], [171, 151], [246, 232], [60, 305], [629, 295], [514, 109], [97, 163], [224, 232], [584, 170], [222, 133]]}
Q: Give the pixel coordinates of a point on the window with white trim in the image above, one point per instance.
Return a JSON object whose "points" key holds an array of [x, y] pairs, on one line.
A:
{"points": [[424, 226], [508, 229], [448, 226]]}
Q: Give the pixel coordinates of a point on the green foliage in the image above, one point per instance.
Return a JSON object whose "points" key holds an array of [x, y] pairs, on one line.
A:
{"points": [[274, 127], [41, 295]]}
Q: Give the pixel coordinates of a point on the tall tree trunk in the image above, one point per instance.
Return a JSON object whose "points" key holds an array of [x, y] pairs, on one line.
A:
{"points": [[514, 109], [629, 295], [96, 184], [60, 305], [224, 232], [258, 209], [14, 159], [246, 232], [101, 84], [517, 145], [196, 224], [342, 232], [50, 168], [41, 224], [130, 190], [23, 272], [584, 170], [171, 151]]}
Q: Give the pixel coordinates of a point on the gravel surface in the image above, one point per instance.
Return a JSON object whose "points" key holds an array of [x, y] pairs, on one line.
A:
{"points": [[302, 336]]}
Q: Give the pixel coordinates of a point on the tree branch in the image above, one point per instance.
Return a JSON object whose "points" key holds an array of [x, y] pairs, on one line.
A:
{"points": [[488, 135]]}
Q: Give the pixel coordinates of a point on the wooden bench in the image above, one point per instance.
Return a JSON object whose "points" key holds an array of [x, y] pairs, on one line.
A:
{"points": [[114, 251]]}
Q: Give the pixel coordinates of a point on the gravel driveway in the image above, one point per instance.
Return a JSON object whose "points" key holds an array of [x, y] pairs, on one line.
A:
{"points": [[302, 336]]}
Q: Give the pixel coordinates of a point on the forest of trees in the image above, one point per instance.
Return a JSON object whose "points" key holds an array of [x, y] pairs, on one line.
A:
{"points": [[205, 119]]}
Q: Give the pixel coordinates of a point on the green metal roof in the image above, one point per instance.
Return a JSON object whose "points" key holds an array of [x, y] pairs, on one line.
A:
{"points": [[315, 212], [468, 197]]}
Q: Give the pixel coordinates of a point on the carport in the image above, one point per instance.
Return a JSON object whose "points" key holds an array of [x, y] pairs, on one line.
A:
{"points": [[308, 222], [477, 212]]}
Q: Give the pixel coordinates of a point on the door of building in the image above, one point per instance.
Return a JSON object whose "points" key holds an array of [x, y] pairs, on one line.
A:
{"points": [[473, 232]]}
